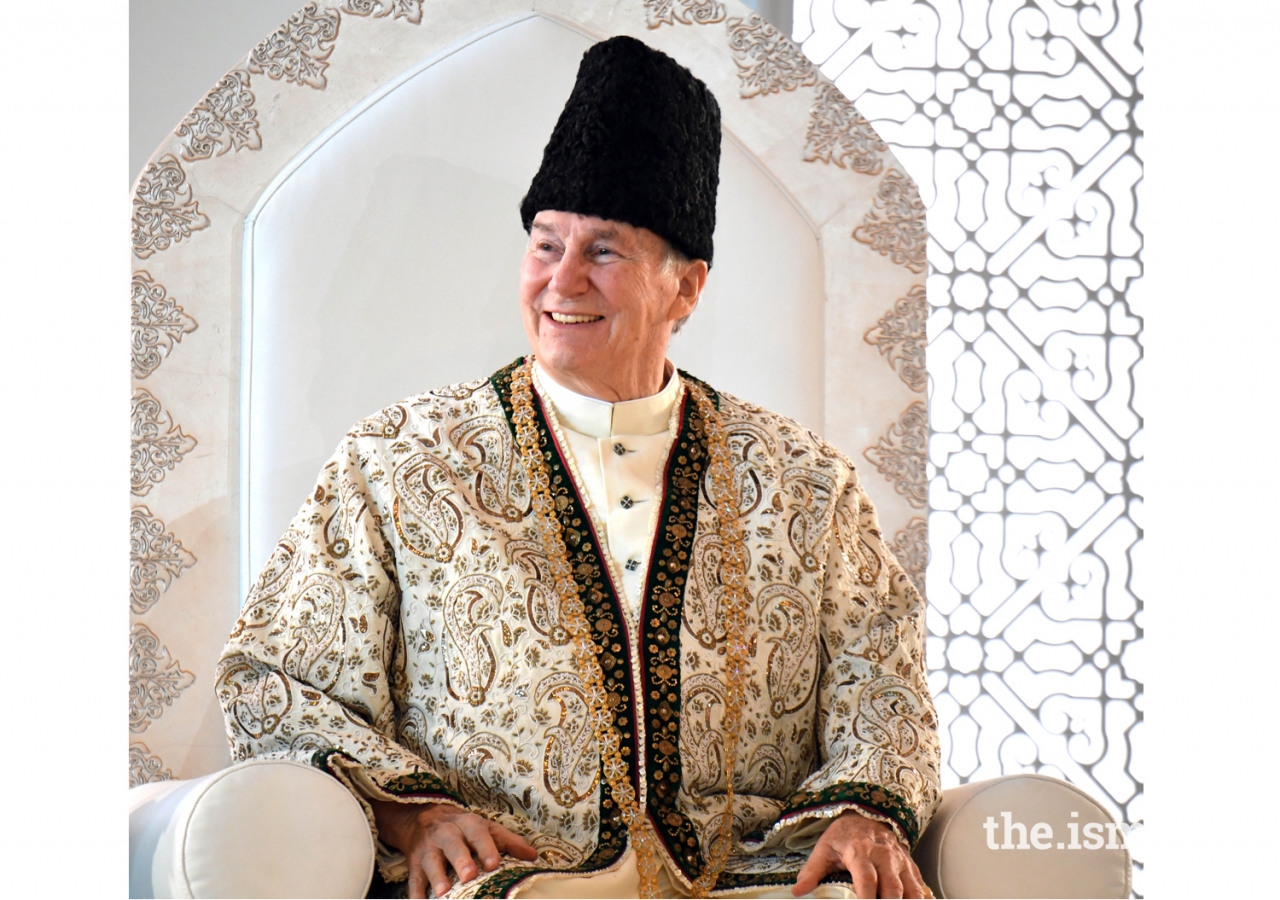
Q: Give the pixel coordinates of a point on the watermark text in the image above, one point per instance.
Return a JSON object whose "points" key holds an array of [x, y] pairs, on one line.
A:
{"points": [[1016, 835]]}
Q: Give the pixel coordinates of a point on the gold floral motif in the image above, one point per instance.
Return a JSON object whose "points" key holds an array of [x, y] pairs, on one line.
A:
{"points": [[812, 492], [409, 10], [766, 772], [144, 766], [297, 50], [895, 227], [470, 607], [751, 444], [156, 558], [315, 656], [254, 696], [900, 454], [888, 714], [686, 12], [767, 59], [701, 740], [540, 602], [911, 548], [861, 557], [900, 336], [791, 626], [704, 600], [264, 596], [224, 120], [500, 487], [839, 134], [426, 518], [157, 444], [384, 424], [481, 761], [157, 323], [570, 764], [164, 212], [155, 678]]}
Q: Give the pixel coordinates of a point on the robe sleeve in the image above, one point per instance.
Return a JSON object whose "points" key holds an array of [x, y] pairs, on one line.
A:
{"points": [[309, 671], [877, 728]]}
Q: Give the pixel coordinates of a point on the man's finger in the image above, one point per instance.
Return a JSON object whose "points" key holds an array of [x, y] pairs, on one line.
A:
{"points": [[449, 838], [476, 831], [417, 879], [863, 873], [433, 862], [890, 885], [821, 861], [511, 843], [912, 883]]}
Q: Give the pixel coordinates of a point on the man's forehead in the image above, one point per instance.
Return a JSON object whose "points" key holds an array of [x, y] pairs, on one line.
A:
{"points": [[562, 224]]}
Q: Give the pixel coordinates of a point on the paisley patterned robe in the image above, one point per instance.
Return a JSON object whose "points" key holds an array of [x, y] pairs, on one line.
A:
{"points": [[405, 637]]}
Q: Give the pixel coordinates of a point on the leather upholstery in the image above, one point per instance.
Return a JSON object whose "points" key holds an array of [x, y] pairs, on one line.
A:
{"points": [[263, 828]]}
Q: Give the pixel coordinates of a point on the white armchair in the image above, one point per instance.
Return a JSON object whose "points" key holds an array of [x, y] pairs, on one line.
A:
{"points": [[283, 829]]}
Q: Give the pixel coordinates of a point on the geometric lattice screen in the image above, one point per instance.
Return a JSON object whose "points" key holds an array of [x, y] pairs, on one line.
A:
{"points": [[1020, 121]]}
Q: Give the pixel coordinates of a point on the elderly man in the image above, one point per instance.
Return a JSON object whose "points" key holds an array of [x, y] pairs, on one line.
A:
{"points": [[590, 627]]}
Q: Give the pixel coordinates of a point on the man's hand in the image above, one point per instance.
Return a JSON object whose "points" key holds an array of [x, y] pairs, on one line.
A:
{"points": [[870, 852], [434, 836]]}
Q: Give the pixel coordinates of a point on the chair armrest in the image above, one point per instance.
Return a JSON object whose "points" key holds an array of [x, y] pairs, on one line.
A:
{"points": [[1035, 855], [262, 828]]}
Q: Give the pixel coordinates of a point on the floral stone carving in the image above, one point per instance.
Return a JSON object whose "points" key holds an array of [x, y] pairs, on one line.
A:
{"points": [[157, 323], [685, 12], [157, 443], [895, 226], [409, 10], [297, 50], [155, 678], [839, 134], [767, 60], [900, 454], [224, 120], [144, 766], [164, 212], [900, 336], [156, 558], [911, 547]]}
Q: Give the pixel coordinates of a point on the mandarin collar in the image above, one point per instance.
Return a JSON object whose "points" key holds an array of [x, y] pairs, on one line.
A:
{"points": [[602, 419]]}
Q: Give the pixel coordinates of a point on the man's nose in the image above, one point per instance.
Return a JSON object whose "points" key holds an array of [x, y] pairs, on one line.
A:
{"points": [[570, 276]]}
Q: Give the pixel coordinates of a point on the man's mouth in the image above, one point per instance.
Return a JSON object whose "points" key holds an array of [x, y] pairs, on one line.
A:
{"points": [[564, 319]]}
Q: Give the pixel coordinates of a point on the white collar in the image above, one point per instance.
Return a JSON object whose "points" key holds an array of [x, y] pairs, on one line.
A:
{"points": [[600, 418]]}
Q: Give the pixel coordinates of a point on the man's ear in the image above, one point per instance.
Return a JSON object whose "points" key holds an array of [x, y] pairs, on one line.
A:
{"points": [[693, 278]]}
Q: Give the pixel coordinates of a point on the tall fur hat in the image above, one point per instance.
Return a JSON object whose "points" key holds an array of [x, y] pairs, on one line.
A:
{"points": [[638, 142]]}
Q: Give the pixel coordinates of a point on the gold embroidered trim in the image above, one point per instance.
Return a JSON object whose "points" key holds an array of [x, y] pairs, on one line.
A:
{"points": [[585, 650]]}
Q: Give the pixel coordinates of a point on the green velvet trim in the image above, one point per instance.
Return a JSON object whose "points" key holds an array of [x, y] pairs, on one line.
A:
{"points": [[605, 613], [415, 784], [871, 797], [660, 640]]}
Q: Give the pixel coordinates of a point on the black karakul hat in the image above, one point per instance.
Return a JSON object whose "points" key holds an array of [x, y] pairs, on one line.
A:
{"points": [[638, 142]]}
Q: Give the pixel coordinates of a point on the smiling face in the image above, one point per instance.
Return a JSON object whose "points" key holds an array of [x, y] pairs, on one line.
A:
{"points": [[599, 299]]}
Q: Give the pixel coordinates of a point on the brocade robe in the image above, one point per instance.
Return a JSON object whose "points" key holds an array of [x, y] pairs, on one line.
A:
{"points": [[405, 636]]}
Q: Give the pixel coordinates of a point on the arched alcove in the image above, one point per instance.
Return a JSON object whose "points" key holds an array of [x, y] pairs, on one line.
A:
{"points": [[334, 227]]}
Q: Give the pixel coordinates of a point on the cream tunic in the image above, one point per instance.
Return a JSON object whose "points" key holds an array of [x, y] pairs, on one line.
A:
{"points": [[619, 451]]}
